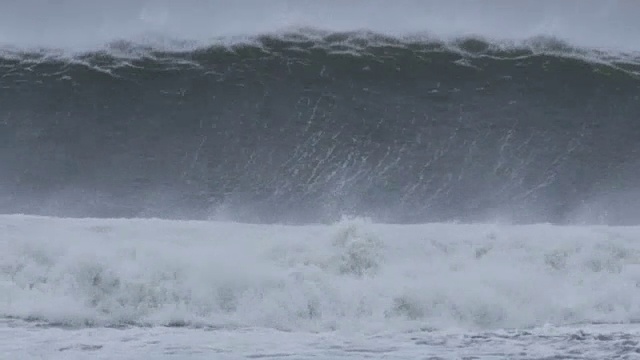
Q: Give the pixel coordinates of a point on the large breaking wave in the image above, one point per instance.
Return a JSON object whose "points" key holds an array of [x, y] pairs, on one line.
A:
{"points": [[310, 125], [304, 111]]}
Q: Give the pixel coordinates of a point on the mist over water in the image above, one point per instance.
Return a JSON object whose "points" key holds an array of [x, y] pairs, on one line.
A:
{"points": [[303, 111], [82, 24]]}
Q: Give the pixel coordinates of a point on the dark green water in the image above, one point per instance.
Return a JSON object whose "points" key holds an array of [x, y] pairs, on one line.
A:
{"points": [[311, 126]]}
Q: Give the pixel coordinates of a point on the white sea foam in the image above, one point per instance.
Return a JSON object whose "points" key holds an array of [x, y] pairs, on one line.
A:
{"points": [[353, 275], [583, 342], [79, 24]]}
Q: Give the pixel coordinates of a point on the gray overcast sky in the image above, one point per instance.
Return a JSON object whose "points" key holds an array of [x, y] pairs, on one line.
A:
{"points": [[78, 23]]}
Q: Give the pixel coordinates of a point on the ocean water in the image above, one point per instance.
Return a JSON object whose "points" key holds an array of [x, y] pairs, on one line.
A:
{"points": [[319, 179], [112, 289]]}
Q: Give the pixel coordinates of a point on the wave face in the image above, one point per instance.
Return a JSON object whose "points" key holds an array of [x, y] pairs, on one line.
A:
{"points": [[352, 275], [309, 125]]}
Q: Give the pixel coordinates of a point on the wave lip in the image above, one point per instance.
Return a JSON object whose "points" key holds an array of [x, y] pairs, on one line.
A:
{"points": [[351, 275], [356, 42]]}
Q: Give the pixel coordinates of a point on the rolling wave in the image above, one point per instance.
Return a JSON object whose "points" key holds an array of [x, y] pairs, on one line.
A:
{"points": [[310, 125]]}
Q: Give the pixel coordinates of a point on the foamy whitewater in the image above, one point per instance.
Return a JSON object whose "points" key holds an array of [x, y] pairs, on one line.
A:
{"points": [[154, 288], [319, 179]]}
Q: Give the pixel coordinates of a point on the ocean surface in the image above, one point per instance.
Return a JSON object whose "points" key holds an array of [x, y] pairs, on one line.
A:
{"points": [[319, 179]]}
